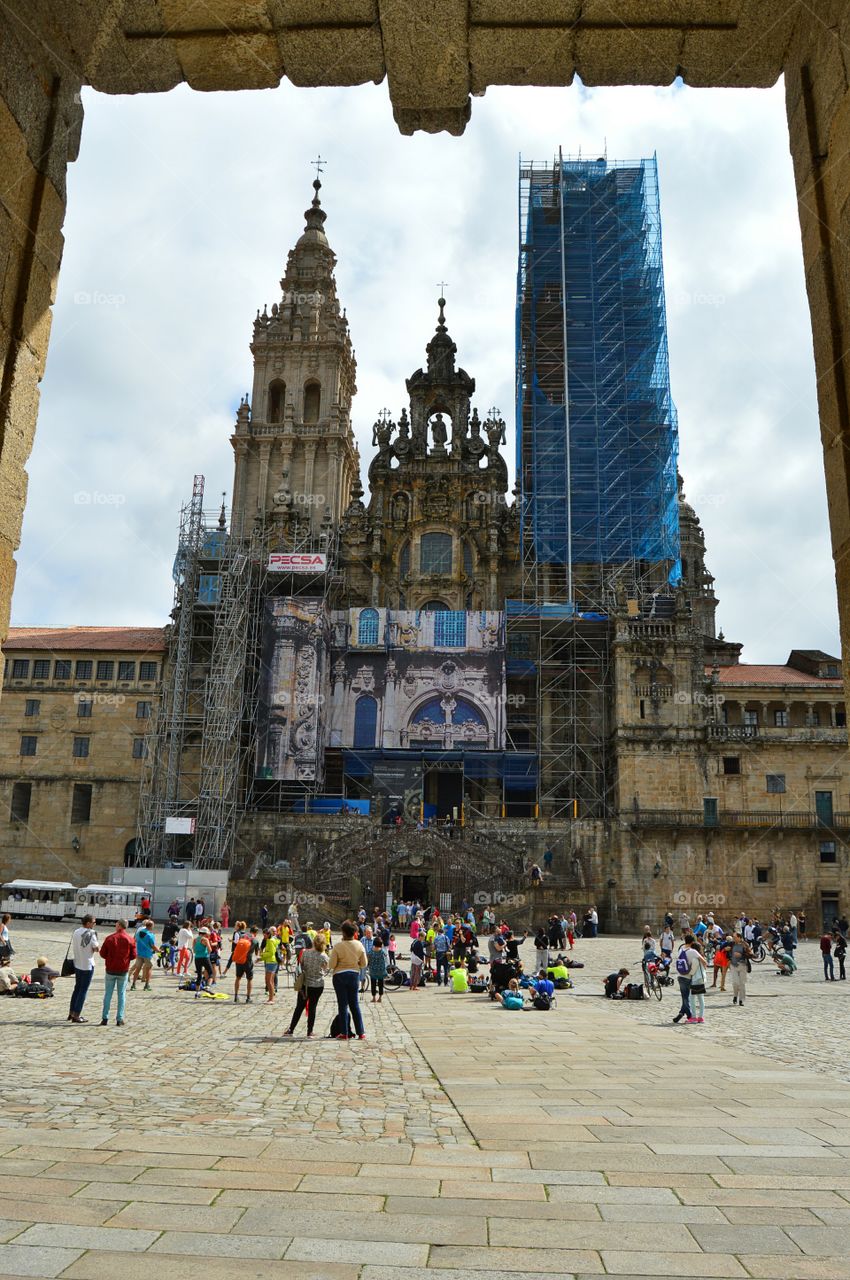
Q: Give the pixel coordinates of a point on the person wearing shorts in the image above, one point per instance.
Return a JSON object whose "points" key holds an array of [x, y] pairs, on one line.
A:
{"points": [[243, 957], [271, 962]]}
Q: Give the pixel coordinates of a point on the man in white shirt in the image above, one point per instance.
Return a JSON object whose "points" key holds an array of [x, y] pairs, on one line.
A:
{"points": [[85, 947], [185, 942], [792, 924]]}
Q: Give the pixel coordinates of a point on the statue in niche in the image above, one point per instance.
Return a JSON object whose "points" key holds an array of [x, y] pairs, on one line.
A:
{"points": [[282, 499], [400, 508], [439, 433]]}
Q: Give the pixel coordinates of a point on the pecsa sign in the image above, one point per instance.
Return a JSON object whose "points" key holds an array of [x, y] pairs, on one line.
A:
{"points": [[297, 562]]}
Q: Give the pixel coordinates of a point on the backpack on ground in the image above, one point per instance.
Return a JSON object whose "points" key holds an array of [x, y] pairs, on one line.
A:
{"points": [[634, 991], [542, 1000]]}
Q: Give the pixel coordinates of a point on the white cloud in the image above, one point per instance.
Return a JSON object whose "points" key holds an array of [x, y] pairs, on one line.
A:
{"points": [[182, 208]]}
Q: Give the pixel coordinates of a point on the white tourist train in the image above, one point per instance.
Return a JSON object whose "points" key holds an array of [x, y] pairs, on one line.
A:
{"points": [[109, 902], [41, 899]]}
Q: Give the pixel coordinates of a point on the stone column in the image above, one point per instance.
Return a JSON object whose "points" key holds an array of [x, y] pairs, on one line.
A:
{"points": [[40, 122], [818, 106], [263, 480]]}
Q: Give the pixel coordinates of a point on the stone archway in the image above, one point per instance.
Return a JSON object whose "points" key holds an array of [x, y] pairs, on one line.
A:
{"points": [[432, 69]]}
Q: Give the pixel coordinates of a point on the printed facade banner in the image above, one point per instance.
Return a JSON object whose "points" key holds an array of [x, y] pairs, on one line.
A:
{"points": [[290, 743]]}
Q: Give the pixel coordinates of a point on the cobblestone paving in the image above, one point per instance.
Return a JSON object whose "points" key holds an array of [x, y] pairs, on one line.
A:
{"points": [[458, 1139]]}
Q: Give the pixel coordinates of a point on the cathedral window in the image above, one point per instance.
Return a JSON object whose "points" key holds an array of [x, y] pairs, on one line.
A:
{"points": [[435, 553], [312, 401], [404, 561], [367, 627], [467, 559], [277, 394], [365, 721], [450, 629]]}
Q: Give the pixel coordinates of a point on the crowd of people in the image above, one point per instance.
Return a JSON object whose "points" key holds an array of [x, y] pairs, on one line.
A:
{"points": [[728, 951]]}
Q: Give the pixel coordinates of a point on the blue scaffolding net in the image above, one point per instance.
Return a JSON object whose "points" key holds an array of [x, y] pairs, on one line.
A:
{"points": [[611, 497]]}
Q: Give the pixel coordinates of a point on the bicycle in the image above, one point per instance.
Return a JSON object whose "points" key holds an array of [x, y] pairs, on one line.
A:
{"points": [[651, 979]]}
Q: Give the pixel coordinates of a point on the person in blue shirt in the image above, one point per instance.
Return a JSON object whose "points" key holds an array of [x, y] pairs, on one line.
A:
{"points": [[441, 952], [543, 984], [145, 949], [700, 927], [450, 932]]}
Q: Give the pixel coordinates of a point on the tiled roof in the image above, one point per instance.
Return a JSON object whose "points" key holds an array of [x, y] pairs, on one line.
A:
{"points": [[744, 673], [99, 639]]}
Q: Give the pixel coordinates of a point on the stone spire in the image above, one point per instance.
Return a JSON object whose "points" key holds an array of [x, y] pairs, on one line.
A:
{"points": [[298, 444]]}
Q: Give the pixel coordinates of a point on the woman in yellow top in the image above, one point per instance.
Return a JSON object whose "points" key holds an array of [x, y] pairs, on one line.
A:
{"points": [[347, 960], [269, 957]]}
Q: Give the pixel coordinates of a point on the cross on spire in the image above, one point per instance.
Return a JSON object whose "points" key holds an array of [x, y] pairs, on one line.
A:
{"points": [[318, 164], [442, 285]]}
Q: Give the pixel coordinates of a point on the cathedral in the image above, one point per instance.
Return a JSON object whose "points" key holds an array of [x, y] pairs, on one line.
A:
{"points": [[395, 692]]}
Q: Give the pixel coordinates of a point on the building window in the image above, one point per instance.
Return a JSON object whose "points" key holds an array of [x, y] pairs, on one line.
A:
{"points": [[450, 629], [841, 719], [831, 671], [29, 744], [61, 670], [81, 803], [813, 718], [467, 558], [751, 718], [21, 797], [126, 670], [277, 397], [84, 706], [776, 784], [32, 707], [435, 553], [143, 711], [731, 765], [404, 561], [83, 670], [312, 402], [139, 751], [41, 669], [147, 670], [20, 668], [105, 670], [827, 851], [781, 719], [367, 626], [80, 749], [365, 721], [762, 875]]}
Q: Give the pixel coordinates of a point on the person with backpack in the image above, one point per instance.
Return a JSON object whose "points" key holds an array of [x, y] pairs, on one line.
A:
{"points": [[377, 967], [687, 963], [544, 992], [698, 973], [826, 956]]}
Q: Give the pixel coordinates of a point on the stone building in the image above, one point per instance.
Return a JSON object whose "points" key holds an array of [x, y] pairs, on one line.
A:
{"points": [[77, 706], [404, 664]]}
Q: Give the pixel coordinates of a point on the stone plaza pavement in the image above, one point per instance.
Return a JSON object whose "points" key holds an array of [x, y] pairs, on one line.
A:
{"points": [[459, 1138]]}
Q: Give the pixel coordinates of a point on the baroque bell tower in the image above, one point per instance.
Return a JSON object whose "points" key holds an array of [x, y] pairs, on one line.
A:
{"points": [[296, 460]]}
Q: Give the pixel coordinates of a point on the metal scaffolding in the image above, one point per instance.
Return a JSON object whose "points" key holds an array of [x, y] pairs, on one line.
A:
{"points": [[201, 748], [596, 425]]}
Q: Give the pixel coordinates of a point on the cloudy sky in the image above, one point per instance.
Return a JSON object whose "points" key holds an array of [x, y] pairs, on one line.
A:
{"points": [[182, 208]]}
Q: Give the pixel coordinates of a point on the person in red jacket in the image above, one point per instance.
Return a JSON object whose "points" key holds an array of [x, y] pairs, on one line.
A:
{"points": [[116, 952]]}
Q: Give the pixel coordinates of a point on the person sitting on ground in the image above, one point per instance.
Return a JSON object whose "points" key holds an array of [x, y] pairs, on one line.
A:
{"points": [[613, 984], [8, 978], [558, 971], [43, 973], [511, 997], [459, 978], [543, 984]]}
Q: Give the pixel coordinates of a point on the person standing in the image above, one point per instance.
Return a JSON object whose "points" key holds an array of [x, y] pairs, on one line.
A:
{"points": [[185, 941], [314, 966], [839, 950], [826, 955], [200, 908], [740, 956], [203, 965], [242, 955], [685, 966], [116, 952], [541, 948], [190, 911], [269, 955], [225, 914], [441, 951], [697, 992], [347, 960], [417, 960], [721, 964], [264, 916], [378, 969], [793, 925], [85, 947], [145, 948]]}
